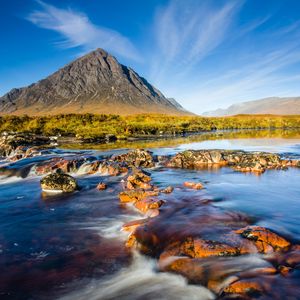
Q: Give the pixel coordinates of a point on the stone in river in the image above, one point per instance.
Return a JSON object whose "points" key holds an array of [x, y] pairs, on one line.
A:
{"points": [[167, 190], [247, 287], [265, 240], [59, 183], [135, 195], [147, 204], [137, 158], [101, 186], [193, 185]]}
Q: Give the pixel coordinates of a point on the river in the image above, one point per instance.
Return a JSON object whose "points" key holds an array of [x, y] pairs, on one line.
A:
{"points": [[71, 247]]}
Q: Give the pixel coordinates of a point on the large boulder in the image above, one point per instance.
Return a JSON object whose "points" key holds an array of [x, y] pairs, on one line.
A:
{"points": [[59, 183]]}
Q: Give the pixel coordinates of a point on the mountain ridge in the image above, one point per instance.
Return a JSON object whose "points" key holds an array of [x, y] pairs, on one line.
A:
{"points": [[93, 83], [270, 105]]}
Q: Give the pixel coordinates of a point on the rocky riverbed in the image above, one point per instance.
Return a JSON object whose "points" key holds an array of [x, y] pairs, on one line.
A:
{"points": [[181, 227]]}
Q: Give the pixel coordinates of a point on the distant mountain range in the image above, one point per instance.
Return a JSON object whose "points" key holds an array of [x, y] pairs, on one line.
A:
{"points": [[94, 83], [272, 105]]}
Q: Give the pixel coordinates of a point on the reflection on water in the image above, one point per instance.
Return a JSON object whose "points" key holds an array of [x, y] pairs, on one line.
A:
{"points": [[71, 246], [279, 137]]}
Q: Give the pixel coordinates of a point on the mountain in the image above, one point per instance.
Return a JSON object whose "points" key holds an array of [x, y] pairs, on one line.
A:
{"points": [[94, 83], [272, 105]]}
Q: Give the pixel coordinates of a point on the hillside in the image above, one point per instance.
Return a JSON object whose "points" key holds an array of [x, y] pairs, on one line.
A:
{"points": [[273, 105], [95, 83]]}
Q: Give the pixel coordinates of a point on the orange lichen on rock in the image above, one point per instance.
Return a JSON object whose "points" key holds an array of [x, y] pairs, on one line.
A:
{"points": [[199, 248], [265, 240], [244, 287], [139, 179], [135, 195], [146, 204]]}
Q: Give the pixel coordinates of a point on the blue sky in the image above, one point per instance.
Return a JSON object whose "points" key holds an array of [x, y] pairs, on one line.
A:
{"points": [[207, 54]]}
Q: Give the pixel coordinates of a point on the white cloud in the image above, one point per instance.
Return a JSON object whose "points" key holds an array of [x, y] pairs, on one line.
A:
{"points": [[78, 31]]}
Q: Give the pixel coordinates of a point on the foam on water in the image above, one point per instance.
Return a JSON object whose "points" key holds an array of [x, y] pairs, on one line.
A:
{"points": [[140, 281]]}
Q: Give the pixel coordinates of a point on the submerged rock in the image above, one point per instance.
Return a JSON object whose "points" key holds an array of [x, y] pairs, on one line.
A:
{"points": [[59, 182]]}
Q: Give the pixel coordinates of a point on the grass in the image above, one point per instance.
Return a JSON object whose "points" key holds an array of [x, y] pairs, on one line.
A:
{"points": [[90, 126]]}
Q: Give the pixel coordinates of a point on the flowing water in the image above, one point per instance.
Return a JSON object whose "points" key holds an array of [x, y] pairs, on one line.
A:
{"points": [[71, 246]]}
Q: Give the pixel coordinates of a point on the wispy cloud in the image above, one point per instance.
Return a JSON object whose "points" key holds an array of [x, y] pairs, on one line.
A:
{"points": [[208, 57], [77, 30], [187, 32], [252, 74]]}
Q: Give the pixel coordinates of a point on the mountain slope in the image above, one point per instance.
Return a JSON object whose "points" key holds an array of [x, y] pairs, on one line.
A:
{"points": [[94, 83], [273, 105]]}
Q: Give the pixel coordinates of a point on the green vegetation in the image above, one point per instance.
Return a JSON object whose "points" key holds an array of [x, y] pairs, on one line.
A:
{"points": [[89, 126]]}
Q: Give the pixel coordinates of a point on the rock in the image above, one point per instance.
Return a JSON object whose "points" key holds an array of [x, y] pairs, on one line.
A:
{"points": [[247, 287], [292, 258], [198, 248], [63, 164], [112, 168], [88, 167], [187, 267], [101, 186], [167, 190], [135, 195], [137, 158], [284, 270], [240, 160], [59, 182], [265, 240], [193, 185], [144, 205], [139, 179], [9, 142], [144, 240], [110, 138], [133, 225]]}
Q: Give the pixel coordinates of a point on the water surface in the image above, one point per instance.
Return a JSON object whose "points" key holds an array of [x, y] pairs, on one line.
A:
{"points": [[71, 247]]}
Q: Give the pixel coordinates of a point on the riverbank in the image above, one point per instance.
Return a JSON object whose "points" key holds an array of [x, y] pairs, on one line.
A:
{"points": [[101, 128]]}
